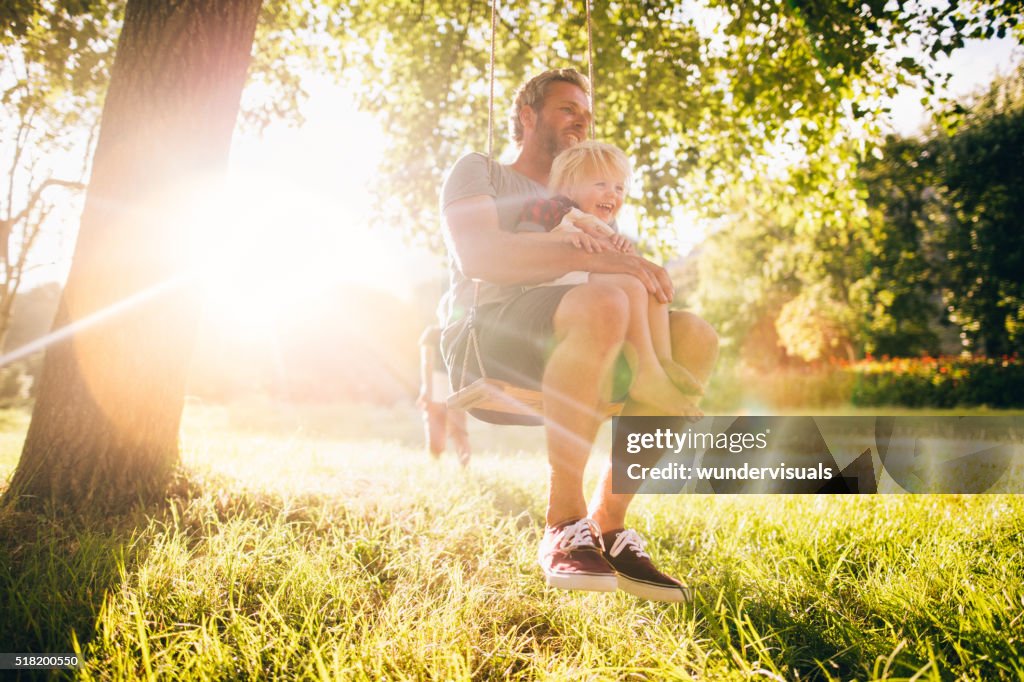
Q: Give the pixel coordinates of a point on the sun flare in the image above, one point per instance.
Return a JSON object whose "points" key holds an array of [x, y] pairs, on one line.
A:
{"points": [[266, 248], [292, 227]]}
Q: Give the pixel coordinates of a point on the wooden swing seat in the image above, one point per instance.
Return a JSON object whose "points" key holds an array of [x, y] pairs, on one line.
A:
{"points": [[495, 395]]}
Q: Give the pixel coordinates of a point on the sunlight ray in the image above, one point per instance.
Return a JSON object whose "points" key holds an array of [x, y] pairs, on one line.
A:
{"points": [[110, 311]]}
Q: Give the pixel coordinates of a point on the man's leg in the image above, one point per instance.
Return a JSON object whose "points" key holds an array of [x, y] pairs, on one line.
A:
{"points": [[589, 329], [589, 326], [695, 347]]}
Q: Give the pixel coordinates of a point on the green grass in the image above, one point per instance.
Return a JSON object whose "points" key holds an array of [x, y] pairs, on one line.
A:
{"points": [[299, 547]]}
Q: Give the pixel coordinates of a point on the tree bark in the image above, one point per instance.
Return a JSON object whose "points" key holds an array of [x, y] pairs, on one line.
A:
{"points": [[104, 432]]}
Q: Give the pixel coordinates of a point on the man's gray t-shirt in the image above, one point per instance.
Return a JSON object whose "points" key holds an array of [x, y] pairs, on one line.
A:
{"points": [[470, 177]]}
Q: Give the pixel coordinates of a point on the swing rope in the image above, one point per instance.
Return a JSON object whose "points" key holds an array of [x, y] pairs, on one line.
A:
{"points": [[490, 72], [515, 400], [590, 67], [472, 341], [490, 160]]}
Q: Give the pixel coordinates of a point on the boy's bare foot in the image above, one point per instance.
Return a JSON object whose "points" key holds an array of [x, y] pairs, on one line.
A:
{"points": [[655, 389], [682, 378]]}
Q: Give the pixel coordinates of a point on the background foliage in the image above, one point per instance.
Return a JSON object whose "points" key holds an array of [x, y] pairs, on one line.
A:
{"points": [[761, 122], [764, 123]]}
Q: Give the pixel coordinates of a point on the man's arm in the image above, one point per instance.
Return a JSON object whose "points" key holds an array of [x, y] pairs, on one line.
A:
{"points": [[482, 250], [578, 239]]}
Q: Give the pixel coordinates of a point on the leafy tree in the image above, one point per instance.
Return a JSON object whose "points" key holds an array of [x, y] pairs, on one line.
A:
{"points": [[939, 229], [703, 101], [747, 273], [991, 20], [420, 66], [897, 297], [982, 167]]}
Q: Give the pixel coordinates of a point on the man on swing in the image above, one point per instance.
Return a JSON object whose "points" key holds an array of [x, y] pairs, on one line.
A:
{"points": [[562, 340]]}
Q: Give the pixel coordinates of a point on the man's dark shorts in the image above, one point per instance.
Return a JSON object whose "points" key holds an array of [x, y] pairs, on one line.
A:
{"points": [[516, 338]]}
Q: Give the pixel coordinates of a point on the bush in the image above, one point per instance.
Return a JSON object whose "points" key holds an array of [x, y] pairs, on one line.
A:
{"points": [[939, 382], [926, 382]]}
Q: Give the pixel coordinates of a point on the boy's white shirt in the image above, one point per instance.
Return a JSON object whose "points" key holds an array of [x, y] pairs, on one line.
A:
{"points": [[569, 223], [572, 219]]}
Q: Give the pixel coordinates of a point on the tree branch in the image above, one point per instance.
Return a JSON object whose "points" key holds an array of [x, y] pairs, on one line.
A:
{"points": [[34, 198], [7, 226]]}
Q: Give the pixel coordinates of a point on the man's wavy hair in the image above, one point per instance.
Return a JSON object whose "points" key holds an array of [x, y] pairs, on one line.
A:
{"points": [[533, 92]]}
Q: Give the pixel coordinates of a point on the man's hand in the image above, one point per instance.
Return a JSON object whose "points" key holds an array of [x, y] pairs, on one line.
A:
{"points": [[483, 251], [654, 277], [597, 228]]}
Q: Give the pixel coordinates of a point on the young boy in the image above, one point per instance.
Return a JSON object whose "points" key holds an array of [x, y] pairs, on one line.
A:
{"points": [[589, 181]]}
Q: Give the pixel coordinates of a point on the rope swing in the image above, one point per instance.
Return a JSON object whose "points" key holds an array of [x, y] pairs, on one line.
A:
{"points": [[493, 400]]}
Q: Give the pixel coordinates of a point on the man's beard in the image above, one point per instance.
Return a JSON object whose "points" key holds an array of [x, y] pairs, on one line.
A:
{"points": [[551, 141]]}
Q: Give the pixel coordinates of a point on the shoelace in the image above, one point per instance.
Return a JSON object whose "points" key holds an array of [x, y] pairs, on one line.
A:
{"points": [[583, 533], [631, 539]]}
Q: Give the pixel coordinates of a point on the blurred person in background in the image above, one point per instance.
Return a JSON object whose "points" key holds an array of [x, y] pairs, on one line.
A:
{"points": [[439, 422]]}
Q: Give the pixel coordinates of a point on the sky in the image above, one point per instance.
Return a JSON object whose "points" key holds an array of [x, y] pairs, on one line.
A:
{"points": [[973, 67]]}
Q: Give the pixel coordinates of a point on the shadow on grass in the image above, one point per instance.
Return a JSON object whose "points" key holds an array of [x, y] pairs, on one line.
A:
{"points": [[512, 500], [55, 573]]}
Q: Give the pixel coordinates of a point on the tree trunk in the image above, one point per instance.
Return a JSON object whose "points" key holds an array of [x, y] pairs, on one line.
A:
{"points": [[104, 432]]}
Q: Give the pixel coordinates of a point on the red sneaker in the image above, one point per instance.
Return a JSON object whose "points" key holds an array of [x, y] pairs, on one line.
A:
{"points": [[572, 559], [636, 572]]}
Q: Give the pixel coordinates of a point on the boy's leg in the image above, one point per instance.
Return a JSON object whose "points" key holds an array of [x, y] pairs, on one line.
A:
{"points": [[651, 385], [434, 428], [657, 318], [459, 435], [695, 346], [434, 420], [661, 338]]}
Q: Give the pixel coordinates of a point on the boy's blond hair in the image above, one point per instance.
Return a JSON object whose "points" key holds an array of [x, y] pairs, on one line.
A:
{"points": [[571, 165]]}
